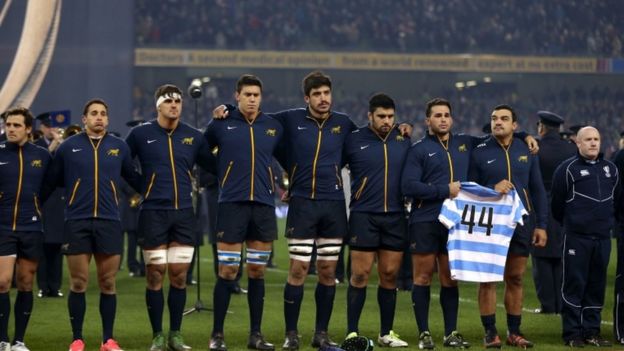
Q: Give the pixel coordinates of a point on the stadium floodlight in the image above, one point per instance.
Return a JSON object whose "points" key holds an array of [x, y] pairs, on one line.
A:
{"points": [[460, 85], [194, 90], [471, 83]]}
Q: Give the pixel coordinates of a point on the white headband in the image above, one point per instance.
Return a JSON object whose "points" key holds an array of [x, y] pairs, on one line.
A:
{"points": [[162, 98]]}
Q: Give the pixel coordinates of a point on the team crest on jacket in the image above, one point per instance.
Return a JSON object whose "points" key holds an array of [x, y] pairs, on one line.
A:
{"points": [[187, 141], [399, 138], [523, 158], [113, 152], [607, 171], [35, 163], [271, 132], [335, 130], [462, 148]]}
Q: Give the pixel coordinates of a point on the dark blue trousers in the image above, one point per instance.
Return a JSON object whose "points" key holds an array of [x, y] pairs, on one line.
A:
{"points": [[585, 261], [618, 306]]}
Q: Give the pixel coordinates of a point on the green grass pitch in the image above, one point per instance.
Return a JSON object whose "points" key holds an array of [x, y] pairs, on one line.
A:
{"points": [[50, 329]]}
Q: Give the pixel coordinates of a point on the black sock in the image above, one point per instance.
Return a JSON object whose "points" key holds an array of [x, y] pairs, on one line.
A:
{"points": [[513, 323], [5, 313], [108, 308], [489, 323], [175, 302], [293, 295], [355, 303], [255, 300], [420, 303], [155, 301], [324, 296], [77, 305], [449, 300], [386, 298], [23, 308], [221, 302]]}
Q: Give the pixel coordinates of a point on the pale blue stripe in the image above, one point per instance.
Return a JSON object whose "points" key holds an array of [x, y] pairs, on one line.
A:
{"points": [[479, 267], [463, 245]]}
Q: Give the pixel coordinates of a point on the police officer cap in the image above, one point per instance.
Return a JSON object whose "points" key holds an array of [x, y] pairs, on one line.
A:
{"points": [[565, 134], [622, 134], [134, 122], [550, 118], [487, 128], [45, 119], [575, 128]]}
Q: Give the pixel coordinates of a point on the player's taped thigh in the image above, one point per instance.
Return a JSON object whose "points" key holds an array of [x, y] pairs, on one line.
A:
{"points": [[328, 249], [300, 249], [229, 258], [259, 257], [180, 254], [158, 256]]}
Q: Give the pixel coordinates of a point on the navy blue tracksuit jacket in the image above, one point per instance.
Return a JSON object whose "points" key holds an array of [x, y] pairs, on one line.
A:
{"points": [[167, 158], [491, 162], [313, 149], [375, 164], [91, 171], [244, 157], [22, 172], [429, 168], [586, 200]]}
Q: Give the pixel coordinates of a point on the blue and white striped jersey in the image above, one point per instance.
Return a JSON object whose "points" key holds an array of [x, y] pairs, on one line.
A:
{"points": [[481, 223]]}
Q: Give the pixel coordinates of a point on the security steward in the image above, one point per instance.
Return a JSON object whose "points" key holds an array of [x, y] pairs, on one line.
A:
{"points": [[547, 260]]}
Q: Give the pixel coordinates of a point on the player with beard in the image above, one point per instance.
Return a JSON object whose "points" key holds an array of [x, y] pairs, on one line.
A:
{"points": [[503, 163], [377, 226], [433, 170], [167, 150]]}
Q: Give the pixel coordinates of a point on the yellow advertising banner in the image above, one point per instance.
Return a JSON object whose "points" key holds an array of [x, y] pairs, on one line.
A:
{"points": [[152, 57]]}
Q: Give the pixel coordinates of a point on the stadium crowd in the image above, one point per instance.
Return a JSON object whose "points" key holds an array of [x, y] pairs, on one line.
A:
{"points": [[559, 27]]}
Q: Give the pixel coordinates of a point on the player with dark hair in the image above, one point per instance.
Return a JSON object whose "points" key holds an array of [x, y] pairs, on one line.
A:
{"points": [[22, 171], [90, 165], [503, 163], [167, 150], [246, 143], [377, 226]]}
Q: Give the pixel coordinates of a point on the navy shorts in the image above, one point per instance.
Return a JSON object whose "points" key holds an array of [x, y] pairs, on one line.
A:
{"points": [[161, 227], [93, 235], [373, 231], [309, 219], [24, 244], [523, 235], [240, 221], [428, 238]]}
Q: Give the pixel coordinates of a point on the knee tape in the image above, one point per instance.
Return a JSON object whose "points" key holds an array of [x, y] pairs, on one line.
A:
{"points": [[180, 254], [229, 258], [300, 249], [259, 257], [328, 249], [155, 256]]}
